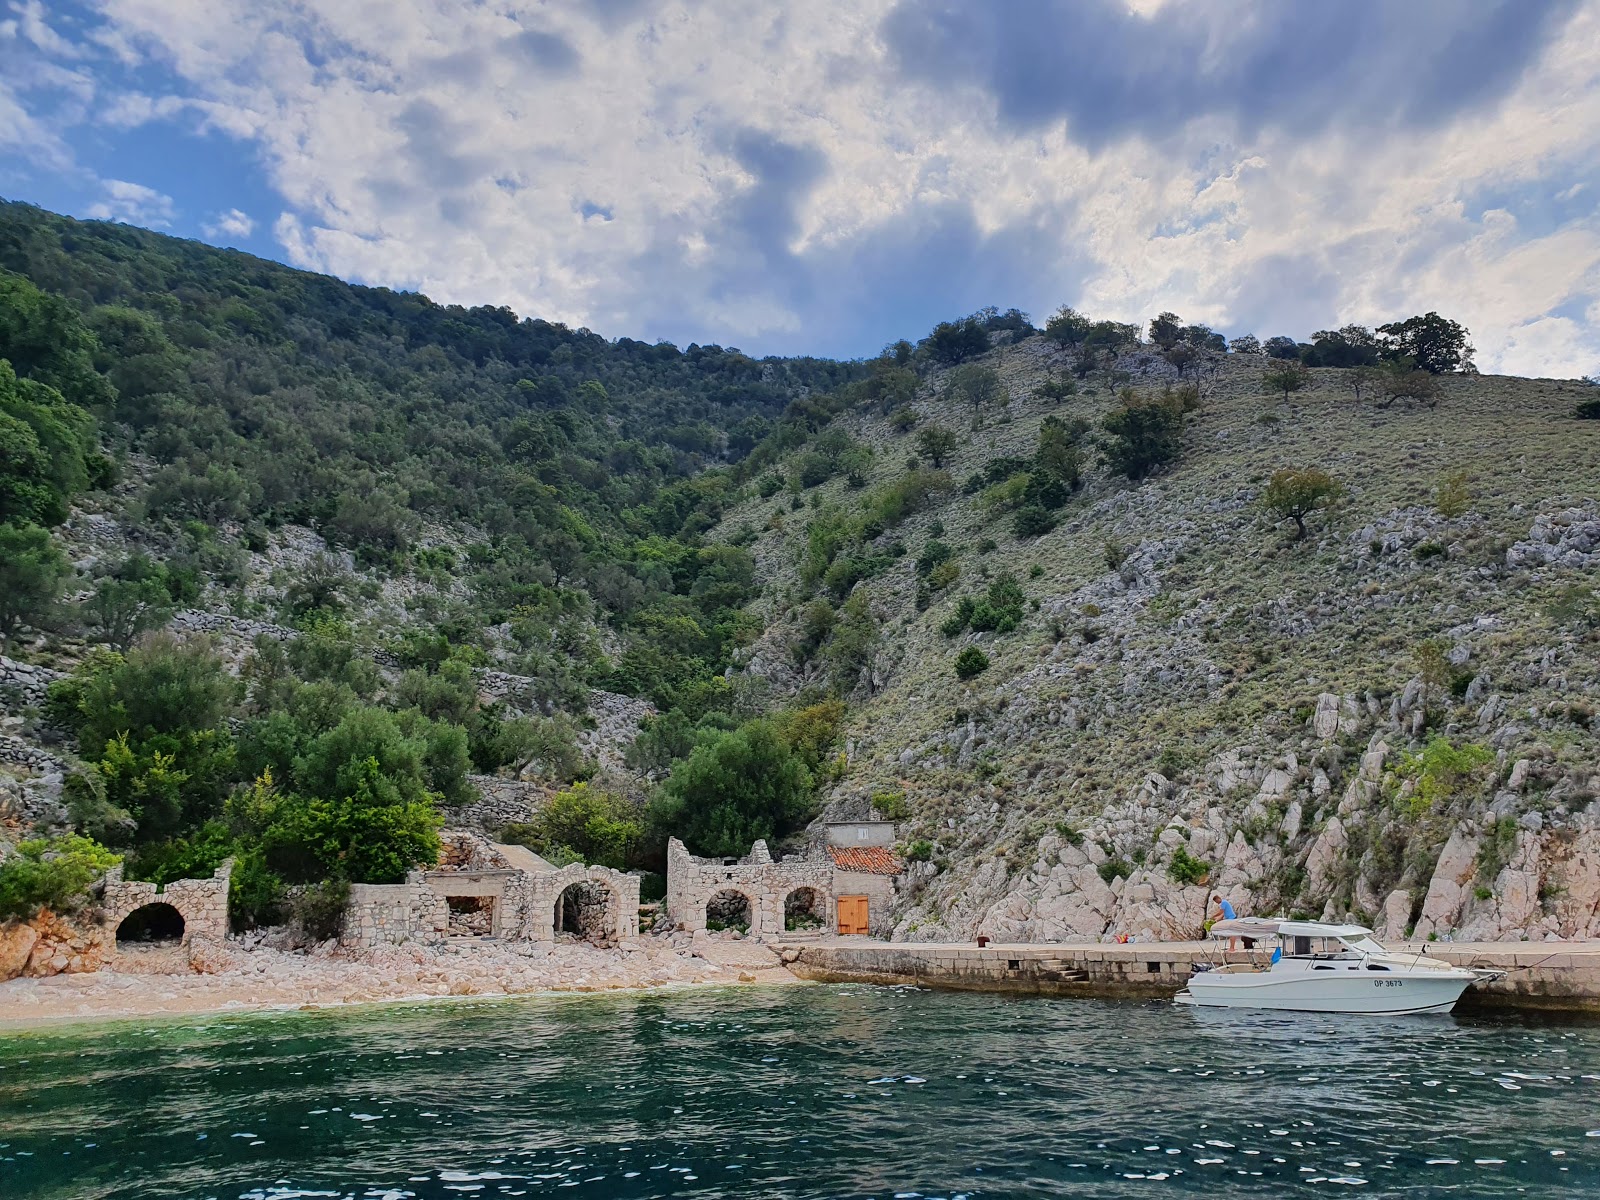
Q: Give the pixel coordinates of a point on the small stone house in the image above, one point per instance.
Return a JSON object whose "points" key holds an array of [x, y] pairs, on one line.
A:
{"points": [[864, 871]]}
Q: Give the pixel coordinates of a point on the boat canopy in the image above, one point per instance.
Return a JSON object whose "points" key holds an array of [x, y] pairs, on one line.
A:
{"points": [[1246, 927], [1276, 927], [1317, 929]]}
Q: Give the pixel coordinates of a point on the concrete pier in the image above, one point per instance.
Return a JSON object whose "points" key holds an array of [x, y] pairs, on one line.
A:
{"points": [[1549, 975]]}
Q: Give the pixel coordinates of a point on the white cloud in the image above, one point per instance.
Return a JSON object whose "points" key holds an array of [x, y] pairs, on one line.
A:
{"points": [[132, 203], [771, 182], [229, 225]]}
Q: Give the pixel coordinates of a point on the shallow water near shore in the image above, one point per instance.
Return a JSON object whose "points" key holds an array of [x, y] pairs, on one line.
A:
{"points": [[810, 1091]]}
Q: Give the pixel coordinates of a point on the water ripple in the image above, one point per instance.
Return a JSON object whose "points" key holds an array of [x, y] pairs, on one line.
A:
{"points": [[816, 1091]]}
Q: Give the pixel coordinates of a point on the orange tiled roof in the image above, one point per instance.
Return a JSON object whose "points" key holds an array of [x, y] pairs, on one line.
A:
{"points": [[868, 860]]}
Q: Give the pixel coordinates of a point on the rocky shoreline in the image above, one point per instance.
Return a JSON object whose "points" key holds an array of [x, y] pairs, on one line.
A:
{"points": [[224, 977]]}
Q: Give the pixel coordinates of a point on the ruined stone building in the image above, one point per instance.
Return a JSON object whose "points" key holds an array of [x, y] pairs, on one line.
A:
{"points": [[484, 889], [845, 885], [479, 889]]}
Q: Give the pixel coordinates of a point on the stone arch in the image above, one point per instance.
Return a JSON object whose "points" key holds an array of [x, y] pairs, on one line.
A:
{"points": [[156, 923], [731, 908], [589, 909], [804, 908]]}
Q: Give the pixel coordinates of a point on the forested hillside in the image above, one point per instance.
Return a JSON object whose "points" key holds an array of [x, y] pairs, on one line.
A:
{"points": [[1104, 616]]}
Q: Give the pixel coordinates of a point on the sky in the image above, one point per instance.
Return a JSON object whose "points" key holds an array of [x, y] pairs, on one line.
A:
{"points": [[825, 176]]}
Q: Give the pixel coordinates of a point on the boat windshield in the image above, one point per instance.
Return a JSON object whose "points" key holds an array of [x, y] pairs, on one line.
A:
{"points": [[1365, 945]]}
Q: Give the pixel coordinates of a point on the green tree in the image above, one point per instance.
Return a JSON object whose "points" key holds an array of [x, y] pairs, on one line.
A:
{"points": [[1166, 330], [368, 829], [1401, 380], [32, 573], [1289, 376], [1432, 343], [977, 386], [743, 786], [1068, 327], [587, 824], [1453, 497], [1141, 435], [936, 443], [1057, 454], [1295, 493], [120, 610], [45, 444], [954, 342]]}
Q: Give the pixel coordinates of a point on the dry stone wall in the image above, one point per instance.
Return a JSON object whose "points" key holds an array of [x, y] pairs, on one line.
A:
{"points": [[23, 685]]}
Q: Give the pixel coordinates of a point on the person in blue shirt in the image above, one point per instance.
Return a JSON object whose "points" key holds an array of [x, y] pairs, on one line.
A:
{"points": [[1227, 915]]}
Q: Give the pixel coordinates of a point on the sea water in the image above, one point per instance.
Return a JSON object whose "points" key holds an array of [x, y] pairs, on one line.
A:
{"points": [[799, 1091]]}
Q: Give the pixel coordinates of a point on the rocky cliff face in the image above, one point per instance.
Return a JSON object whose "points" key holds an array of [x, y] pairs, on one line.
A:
{"points": [[1391, 720]]}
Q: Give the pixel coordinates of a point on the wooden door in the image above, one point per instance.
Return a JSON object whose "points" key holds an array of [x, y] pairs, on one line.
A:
{"points": [[852, 914]]}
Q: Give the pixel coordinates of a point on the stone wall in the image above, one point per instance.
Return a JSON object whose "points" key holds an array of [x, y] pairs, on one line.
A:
{"points": [[381, 914], [692, 882], [500, 802], [23, 685], [202, 903]]}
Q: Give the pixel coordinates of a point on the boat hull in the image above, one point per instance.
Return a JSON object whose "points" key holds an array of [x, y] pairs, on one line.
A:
{"points": [[1391, 996]]}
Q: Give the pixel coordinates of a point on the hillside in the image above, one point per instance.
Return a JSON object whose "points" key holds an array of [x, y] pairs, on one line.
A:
{"points": [[298, 570], [1191, 693]]}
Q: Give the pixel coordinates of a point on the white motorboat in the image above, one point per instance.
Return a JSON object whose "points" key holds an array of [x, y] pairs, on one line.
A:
{"points": [[1308, 966]]}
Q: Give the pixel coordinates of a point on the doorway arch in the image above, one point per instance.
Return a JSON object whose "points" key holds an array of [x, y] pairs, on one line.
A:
{"points": [[804, 908], [730, 909], [589, 910], [158, 923]]}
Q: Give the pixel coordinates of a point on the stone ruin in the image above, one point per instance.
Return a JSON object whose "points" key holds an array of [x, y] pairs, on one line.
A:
{"points": [[754, 892], [153, 925], [483, 889]]}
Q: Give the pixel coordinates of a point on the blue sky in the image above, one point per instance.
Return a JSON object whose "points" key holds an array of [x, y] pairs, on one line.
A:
{"points": [[827, 176]]}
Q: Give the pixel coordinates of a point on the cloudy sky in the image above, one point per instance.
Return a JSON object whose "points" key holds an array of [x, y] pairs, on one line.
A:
{"points": [[827, 175]]}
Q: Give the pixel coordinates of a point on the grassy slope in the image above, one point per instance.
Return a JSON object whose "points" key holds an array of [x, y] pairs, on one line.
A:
{"points": [[1226, 631]]}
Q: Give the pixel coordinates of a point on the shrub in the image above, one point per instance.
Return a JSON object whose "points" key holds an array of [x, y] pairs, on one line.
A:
{"points": [[959, 619], [971, 662], [1113, 867], [1440, 771], [891, 806], [1186, 869], [1587, 410], [1032, 520], [318, 908], [1453, 497], [919, 851], [944, 575], [903, 420], [53, 873]]}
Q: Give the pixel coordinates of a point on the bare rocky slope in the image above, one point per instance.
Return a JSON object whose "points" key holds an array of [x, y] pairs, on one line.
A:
{"points": [[1196, 703]]}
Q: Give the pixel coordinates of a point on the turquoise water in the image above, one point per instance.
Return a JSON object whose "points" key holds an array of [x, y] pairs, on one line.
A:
{"points": [[808, 1091]]}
